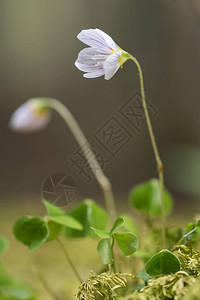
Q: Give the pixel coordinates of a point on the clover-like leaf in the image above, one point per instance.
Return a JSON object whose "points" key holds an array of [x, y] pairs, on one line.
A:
{"points": [[89, 214], [164, 262], [127, 242], [55, 230], [101, 233], [117, 224], [57, 215], [146, 198], [105, 251], [3, 244], [52, 209], [31, 231], [67, 221]]}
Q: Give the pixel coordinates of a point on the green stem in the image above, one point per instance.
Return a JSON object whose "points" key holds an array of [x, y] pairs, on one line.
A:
{"points": [[155, 149], [185, 236], [112, 246], [103, 181], [64, 250]]}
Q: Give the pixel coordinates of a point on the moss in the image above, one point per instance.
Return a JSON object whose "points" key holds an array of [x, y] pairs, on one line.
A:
{"points": [[102, 286], [172, 286], [190, 259]]}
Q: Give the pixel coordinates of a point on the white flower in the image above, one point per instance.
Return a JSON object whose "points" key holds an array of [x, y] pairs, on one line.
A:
{"points": [[103, 57], [33, 115]]}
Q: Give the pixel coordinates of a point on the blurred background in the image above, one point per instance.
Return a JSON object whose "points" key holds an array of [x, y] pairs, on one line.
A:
{"points": [[38, 50]]}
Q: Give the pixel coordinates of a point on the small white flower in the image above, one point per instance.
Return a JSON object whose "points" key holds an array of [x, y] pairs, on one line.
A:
{"points": [[103, 57], [33, 115]]}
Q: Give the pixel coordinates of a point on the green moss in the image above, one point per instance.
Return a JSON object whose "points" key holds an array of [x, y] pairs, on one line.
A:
{"points": [[102, 286], [174, 286]]}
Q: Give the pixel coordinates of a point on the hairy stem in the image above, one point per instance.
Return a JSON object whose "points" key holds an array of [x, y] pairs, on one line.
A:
{"points": [[155, 148], [103, 181], [64, 250]]}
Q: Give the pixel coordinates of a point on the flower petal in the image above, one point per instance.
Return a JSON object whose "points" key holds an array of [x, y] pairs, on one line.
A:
{"points": [[88, 67], [109, 41], [111, 65], [26, 119], [95, 74], [89, 60], [98, 39]]}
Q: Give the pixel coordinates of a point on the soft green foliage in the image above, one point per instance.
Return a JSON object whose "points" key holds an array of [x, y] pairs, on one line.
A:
{"points": [[101, 233], [13, 289], [55, 230], [31, 231], [104, 286], [127, 242], [145, 197], [3, 244], [174, 271], [164, 262], [34, 231], [58, 216], [119, 222], [105, 251], [89, 214]]}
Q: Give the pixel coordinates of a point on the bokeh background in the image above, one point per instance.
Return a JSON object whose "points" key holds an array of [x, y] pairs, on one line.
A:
{"points": [[38, 50]]}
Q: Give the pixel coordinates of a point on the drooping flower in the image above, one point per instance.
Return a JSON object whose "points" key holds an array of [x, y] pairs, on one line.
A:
{"points": [[32, 115], [103, 57]]}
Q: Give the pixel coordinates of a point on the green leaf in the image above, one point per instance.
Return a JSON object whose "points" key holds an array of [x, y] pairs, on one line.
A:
{"points": [[31, 231], [129, 225], [105, 251], [57, 215], [89, 214], [101, 233], [54, 230], [3, 245], [52, 209], [67, 221], [127, 242], [117, 224], [164, 262], [146, 198]]}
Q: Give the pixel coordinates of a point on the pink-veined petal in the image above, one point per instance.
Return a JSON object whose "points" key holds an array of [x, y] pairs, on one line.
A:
{"points": [[86, 67], [111, 65], [94, 74], [96, 38], [109, 41], [89, 60]]}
